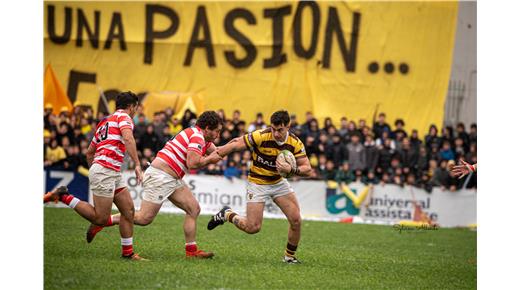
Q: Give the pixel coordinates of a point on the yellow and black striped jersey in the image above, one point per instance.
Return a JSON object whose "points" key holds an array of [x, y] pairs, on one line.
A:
{"points": [[265, 149]]}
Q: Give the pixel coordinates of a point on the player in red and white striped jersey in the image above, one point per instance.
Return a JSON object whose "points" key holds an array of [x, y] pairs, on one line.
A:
{"points": [[114, 135], [192, 148]]}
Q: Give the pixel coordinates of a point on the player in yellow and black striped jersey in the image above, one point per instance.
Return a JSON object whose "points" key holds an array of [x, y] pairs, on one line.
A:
{"points": [[265, 149], [265, 182]]}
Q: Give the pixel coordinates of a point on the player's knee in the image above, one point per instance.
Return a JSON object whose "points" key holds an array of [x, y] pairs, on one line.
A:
{"points": [[254, 228], [100, 220], [193, 210], [129, 213], [144, 221], [295, 222]]}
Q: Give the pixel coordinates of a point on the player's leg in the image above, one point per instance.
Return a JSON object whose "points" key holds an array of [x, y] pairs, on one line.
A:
{"points": [[183, 199], [290, 207], [125, 204], [251, 223], [97, 214]]}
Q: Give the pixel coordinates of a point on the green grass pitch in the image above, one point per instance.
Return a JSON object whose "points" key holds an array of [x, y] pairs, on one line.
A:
{"points": [[333, 256]]}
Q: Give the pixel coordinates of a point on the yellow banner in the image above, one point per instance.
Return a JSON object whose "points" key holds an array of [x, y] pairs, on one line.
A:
{"points": [[332, 58]]}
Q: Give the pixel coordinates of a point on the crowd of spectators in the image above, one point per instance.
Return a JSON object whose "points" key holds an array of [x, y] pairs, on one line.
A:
{"points": [[352, 151]]}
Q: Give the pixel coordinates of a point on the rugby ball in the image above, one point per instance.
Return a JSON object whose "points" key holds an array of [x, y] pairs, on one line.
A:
{"points": [[287, 157]]}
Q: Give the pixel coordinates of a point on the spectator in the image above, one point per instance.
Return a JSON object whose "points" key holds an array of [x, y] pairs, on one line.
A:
{"points": [[471, 156], [422, 159], [343, 128], [232, 170], [294, 123], [149, 140], [473, 133], [371, 178], [175, 126], [446, 153], [356, 154], [336, 151], [460, 151], [425, 182], [385, 179], [385, 155], [329, 173], [344, 174], [213, 169], [327, 124], [351, 130], [222, 115], [407, 155], [441, 176], [140, 125], [187, 119], [166, 136], [399, 128], [397, 177], [432, 139], [461, 133], [410, 180], [306, 127], [414, 141], [54, 154], [380, 126], [259, 123], [322, 165], [371, 152]]}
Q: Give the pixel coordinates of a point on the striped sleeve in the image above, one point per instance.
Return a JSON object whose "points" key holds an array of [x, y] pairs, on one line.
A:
{"points": [[196, 142], [299, 150], [252, 139], [125, 122]]}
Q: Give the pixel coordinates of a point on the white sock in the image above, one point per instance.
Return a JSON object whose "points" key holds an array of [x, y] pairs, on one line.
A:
{"points": [[127, 241], [74, 202], [191, 243]]}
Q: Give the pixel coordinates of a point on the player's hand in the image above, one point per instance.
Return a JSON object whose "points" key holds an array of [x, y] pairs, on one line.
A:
{"points": [[462, 169], [139, 174], [283, 167], [214, 157]]}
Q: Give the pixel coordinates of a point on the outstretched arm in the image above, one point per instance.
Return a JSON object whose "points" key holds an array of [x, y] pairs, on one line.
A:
{"points": [[236, 144], [463, 168]]}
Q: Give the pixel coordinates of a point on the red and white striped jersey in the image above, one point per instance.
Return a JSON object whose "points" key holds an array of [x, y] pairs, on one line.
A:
{"points": [[108, 140], [175, 152]]}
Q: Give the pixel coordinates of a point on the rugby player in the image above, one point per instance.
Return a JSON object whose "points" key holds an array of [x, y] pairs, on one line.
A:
{"points": [[264, 180], [105, 154]]}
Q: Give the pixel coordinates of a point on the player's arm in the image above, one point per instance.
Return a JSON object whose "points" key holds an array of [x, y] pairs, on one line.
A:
{"points": [[463, 169], [128, 139], [303, 168], [210, 149], [237, 144], [91, 151], [195, 160]]}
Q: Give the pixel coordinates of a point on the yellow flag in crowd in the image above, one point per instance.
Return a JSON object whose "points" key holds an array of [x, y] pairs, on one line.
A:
{"points": [[53, 93]]}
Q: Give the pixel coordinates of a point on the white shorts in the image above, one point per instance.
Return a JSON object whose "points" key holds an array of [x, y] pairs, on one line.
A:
{"points": [[262, 192], [104, 181], [159, 185]]}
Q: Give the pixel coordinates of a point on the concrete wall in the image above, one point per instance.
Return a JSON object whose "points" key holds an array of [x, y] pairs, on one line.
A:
{"points": [[461, 99]]}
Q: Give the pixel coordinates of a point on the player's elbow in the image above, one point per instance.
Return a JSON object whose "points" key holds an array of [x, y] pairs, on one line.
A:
{"points": [[193, 164]]}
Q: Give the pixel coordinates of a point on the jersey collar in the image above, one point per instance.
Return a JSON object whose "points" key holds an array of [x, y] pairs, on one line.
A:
{"points": [[281, 143]]}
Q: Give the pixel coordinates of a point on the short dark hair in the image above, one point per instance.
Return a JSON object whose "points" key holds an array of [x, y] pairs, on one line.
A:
{"points": [[209, 119], [399, 121], [280, 118], [125, 100]]}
